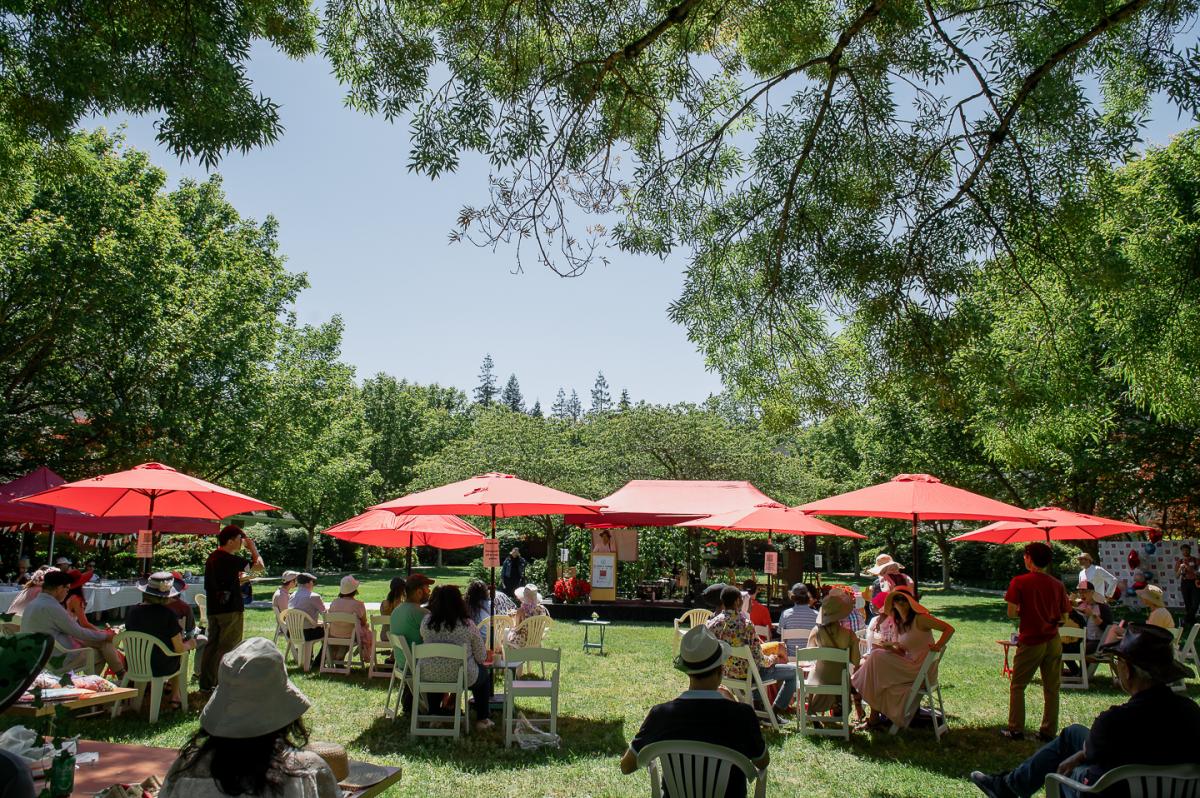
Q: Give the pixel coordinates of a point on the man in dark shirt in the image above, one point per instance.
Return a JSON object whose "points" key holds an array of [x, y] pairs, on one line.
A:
{"points": [[1040, 602], [702, 713], [223, 587], [1123, 735], [512, 572]]}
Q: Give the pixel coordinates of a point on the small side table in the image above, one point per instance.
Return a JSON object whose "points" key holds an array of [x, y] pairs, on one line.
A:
{"points": [[587, 628], [1006, 669]]}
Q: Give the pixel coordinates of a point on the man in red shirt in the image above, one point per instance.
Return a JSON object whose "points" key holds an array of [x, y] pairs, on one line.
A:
{"points": [[1040, 602]]}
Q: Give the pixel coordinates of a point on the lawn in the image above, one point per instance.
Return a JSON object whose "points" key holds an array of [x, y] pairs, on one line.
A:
{"points": [[605, 698]]}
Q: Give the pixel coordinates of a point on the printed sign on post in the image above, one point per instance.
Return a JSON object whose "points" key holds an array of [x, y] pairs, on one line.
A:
{"points": [[145, 544], [771, 562], [818, 561], [491, 553], [564, 555]]}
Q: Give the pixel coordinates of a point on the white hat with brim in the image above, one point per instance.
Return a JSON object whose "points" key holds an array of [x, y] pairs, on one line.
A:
{"points": [[254, 696], [1152, 595], [160, 584], [700, 651], [527, 589], [883, 564], [348, 585], [289, 576]]}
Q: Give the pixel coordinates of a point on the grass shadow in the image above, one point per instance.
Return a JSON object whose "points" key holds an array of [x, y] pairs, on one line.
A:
{"points": [[986, 609]]}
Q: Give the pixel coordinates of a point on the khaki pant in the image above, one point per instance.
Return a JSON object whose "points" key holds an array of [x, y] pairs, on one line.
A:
{"points": [[1047, 658], [224, 635], [75, 661]]}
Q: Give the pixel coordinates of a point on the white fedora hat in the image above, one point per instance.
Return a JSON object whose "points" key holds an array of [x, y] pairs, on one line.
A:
{"points": [[253, 696], [700, 651], [530, 588]]}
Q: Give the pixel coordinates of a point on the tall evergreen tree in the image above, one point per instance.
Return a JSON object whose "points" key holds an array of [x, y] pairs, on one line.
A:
{"points": [[485, 392], [536, 412], [624, 403], [559, 408], [511, 397], [601, 398], [574, 408]]}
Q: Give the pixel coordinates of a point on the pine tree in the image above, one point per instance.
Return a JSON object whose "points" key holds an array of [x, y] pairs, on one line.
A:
{"points": [[574, 407], [624, 403], [511, 396], [536, 412], [601, 398], [485, 392], [559, 408]]}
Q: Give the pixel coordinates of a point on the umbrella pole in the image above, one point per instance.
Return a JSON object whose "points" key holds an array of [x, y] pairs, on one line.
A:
{"points": [[50, 560], [770, 577], [492, 586], [150, 527], [410, 554], [916, 558]]}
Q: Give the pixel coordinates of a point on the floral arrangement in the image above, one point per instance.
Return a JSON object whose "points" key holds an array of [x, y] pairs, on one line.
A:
{"points": [[572, 590], [709, 550]]}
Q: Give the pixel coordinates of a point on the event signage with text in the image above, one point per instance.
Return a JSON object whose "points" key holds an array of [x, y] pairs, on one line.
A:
{"points": [[491, 553]]}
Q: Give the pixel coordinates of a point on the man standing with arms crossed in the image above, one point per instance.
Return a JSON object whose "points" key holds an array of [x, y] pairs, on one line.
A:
{"points": [[1040, 602], [223, 586]]}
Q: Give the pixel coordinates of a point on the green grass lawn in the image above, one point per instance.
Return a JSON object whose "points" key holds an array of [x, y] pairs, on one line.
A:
{"points": [[605, 698]]}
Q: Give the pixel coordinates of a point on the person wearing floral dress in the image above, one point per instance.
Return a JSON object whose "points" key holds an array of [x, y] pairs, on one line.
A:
{"points": [[531, 605], [736, 630]]}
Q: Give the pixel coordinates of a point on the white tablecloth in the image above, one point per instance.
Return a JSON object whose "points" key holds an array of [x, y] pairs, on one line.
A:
{"points": [[101, 597]]}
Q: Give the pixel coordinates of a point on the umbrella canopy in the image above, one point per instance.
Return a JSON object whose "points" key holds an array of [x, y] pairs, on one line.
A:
{"points": [[774, 518], [1059, 524], [147, 490], [670, 502], [385, 529], [919, 496], [496, 495], [15, 513]]}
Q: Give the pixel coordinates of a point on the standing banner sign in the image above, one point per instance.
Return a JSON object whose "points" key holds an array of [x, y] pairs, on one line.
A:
{"points": [[818, 562], [491, 553], [145, 544], [604, 576], [771, 563]]}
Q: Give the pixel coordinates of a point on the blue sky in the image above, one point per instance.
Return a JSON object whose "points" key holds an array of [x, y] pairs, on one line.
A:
{"points": [[373, 240]]}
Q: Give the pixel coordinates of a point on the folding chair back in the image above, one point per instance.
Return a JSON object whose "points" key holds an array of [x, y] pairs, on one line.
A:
{"points": [[138, 649], [380, 669], [337, 653], [794, 639], [691, 769], [299, 649], [202, 606], [1070, 634], [422, 653], [763, 632], [1141, 781], [687, 621], [1187, 649], [514, 687], [746, 689], [926, 690], [401, 674], [836, 724]]}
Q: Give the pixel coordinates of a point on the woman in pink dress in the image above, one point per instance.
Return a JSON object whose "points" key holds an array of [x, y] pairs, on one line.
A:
{"points": [[903, 639]]}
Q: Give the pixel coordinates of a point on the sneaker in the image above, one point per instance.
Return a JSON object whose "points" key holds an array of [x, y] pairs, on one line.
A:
{"points": [[991, 786], [484, 725], [1009, 734]]}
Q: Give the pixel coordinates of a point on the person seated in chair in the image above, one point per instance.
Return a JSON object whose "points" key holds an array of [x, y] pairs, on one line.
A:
{"points": [[153, 617], [732, 627], [1144, 660], [47, 615], [800, 615], [311, 604], [1094, 617], [754, 609], [702, 713], [348, 603]]}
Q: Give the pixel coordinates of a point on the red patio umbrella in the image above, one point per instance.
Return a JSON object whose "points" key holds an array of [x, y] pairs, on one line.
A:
{"points": [[669, 502], [494, 495], [385, 529], [1059, 525], [145, 489], [917, 497]]}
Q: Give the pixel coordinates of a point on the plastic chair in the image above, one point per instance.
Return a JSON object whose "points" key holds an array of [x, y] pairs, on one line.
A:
{"points": [[804, 720], [8, 628], [696, 770], [926, 689], [496, 627], [1187, 649], [380, 668], [400, 651], [1079, 657], [90, 666], [138, 649], [458, 688], [345, 663], [280, 630], [1142, 781], [530, 688], [687, 621], [534, 628], [746, 688], [202, 606], [299, 649]]}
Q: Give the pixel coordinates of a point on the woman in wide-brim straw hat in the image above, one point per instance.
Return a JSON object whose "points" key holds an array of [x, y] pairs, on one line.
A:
{"points": [[531, 605], [903, 639], [888, 576], [251, 736], [1152, 596], [829, 633]]}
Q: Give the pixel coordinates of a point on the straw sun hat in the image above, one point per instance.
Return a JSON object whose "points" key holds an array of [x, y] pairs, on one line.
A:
{"points": [[1152, 595], [907, 592], [883, 564], [253, 696], [835, 607], [523, 594]]}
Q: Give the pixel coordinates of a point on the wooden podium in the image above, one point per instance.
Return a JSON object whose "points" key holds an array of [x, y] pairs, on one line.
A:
{"points": [[604, 576]]}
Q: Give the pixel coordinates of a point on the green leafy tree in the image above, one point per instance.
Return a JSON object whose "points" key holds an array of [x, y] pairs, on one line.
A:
{"points": [[511, 397], [624, 403], [601, 397], [559, 408], [486, 391], [536, 410], [63, 62]]}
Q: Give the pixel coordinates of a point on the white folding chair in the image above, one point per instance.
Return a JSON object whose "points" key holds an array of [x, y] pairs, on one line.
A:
{"points": [[299, 649], [745, 689], [422, 652], [687, 621], [696, 770], [515, 688], [763, 632], [202, 606], [1070, 633], [926, 689], [794, 639], [380, 669], [339, 649], [139, 649], [1141, 781], [401, 673], [832, 725], [1187, 649]]}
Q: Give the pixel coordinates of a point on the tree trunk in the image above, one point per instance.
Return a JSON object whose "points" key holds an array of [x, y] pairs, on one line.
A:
{"points": [[308, 554], [942, 536], [364, 558], [551, 553], [439, 551]]}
